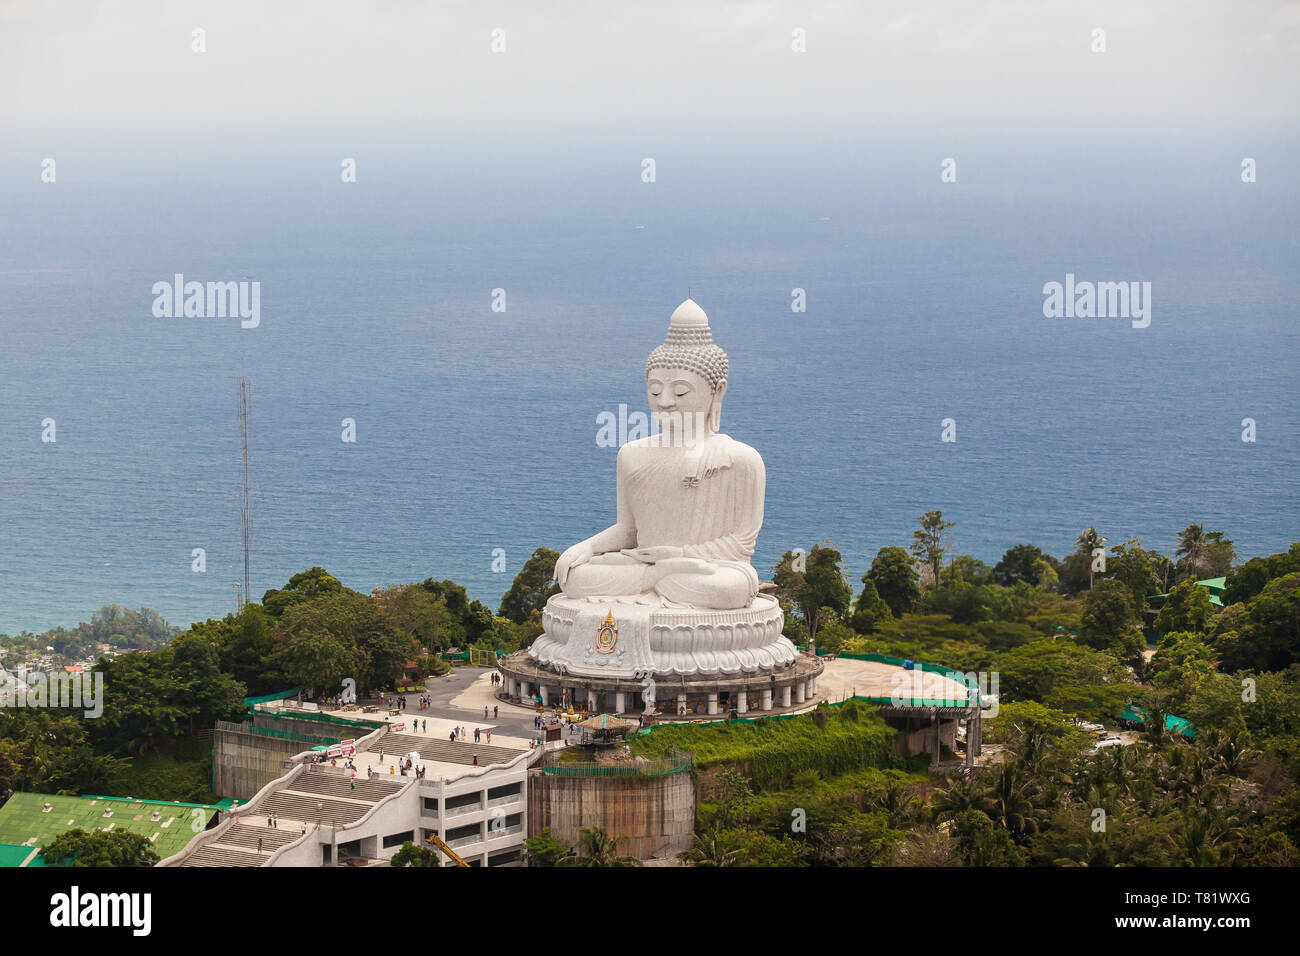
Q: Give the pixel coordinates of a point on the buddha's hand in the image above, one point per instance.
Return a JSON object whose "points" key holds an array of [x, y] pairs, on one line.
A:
{"points": [[654, 555], [684, 566], [580, 553]]}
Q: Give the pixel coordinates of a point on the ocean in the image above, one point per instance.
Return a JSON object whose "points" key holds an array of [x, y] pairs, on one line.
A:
{"points": [[476, 429]]}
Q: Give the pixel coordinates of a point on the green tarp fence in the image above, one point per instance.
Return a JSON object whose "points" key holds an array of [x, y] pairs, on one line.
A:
{"points": [[267, 698], [319, 717], [593, 770], [289, 735], [947, 672], [898, 662]]}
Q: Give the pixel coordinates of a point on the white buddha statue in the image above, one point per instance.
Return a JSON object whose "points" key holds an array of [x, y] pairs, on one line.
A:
{"points": [[690, 499], [668, 588]]}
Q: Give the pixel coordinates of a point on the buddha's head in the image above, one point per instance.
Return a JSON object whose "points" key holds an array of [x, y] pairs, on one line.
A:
{"points": [[686, 377]]}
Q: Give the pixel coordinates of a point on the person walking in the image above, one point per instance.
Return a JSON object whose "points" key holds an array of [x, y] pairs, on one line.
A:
{"points": [[485, 717], [259, 844], [495, 711]]}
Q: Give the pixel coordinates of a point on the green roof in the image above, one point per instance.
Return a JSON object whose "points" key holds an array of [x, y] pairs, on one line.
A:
{"points": [[1181, 725], [1215, 586], [18, 855], [24, 821]]}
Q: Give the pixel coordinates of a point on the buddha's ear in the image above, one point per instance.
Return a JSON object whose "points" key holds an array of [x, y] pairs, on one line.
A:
{"points": [[715, 409]]}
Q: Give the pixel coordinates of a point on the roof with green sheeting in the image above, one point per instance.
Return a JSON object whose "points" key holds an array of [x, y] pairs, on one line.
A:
{"points": [[25, 822], [13, 856]]}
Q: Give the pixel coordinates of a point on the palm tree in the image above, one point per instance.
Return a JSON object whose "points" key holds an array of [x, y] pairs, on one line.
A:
{"points": [[1207, 835], [1191, 546], [1228, 754], [596, 848], [1088, 542], [1013, 797], [964, 793], [1088, 848], [894, 801], [710, 850]]}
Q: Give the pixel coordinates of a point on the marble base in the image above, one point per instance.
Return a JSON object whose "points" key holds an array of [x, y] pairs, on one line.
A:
{"points": [[656, 641]]}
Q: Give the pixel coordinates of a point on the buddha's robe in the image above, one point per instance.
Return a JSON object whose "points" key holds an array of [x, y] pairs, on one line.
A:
{"points": [[707, 500]]}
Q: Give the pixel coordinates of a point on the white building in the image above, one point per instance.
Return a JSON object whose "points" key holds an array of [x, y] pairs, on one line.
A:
{"points": [[324, 815]]}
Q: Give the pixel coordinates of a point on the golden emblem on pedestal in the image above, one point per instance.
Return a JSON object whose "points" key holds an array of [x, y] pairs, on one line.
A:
{"points": [[607, 634]]}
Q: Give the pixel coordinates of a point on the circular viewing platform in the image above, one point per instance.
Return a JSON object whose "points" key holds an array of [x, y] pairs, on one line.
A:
{"points": [[791, 688]]}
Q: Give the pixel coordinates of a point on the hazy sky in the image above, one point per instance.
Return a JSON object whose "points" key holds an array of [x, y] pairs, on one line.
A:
{"points": [[579, 65]]}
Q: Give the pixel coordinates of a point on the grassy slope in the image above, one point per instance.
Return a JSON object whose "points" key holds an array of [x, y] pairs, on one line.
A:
{"points": [[771, 752]]}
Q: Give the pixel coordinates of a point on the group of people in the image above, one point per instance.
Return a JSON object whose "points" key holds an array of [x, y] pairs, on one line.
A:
{"points": [[274, 821], [404, 766], [409, 766], [458, 733], [495, 711]]}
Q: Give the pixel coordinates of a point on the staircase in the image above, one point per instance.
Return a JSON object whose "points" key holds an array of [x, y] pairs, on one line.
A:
{"points": [[319, 795]]}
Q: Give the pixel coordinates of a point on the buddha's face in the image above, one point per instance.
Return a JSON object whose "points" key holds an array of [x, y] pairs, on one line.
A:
{"points": [[682, 404]]}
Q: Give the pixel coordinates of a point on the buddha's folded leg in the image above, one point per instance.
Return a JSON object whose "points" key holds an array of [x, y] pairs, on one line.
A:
{"points": [[607, 576], [725, 588]]}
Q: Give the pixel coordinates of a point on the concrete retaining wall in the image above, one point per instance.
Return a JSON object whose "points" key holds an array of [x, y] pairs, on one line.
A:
{"points": [[243, 762], [649, 816]]}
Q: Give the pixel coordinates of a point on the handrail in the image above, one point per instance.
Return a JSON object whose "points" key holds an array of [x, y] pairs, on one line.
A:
{"points": [[204, 837], [347, 826]]}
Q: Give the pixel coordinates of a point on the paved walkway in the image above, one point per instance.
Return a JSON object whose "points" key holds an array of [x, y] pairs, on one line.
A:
{"points": [[847, 678], [459, 698]]}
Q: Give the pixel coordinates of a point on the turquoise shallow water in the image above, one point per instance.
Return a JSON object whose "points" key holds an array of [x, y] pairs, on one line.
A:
{"points": [[477, 430]]}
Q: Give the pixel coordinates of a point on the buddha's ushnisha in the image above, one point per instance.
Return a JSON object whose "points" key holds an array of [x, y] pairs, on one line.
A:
{"points": [[690, 499]]}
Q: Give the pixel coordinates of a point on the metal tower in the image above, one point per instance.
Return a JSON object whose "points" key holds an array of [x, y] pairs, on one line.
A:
{"points": [[246, 507]]}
